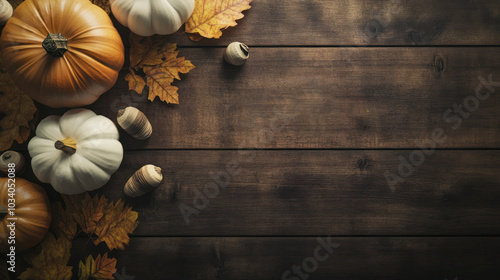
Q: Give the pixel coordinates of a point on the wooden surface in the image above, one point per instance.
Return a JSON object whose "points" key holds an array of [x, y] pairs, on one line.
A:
{"points": [[335, 94]]}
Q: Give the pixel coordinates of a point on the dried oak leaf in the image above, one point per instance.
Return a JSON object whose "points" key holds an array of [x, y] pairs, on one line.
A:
{"points": [[103, 4], [17, 113], [115, 226], [210, 16], [101, 268], [50, 263], [158, 60]]}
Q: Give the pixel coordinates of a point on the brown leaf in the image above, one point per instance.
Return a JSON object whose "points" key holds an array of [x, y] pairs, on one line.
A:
{"points": [[158, 60], [135, 82], [146, 50], [86, 211], [115, 226], [101, 268], [63, 223], [103, 4], [17, 113], [50, 263], [210, 16], [110, 222], [160, 84]]}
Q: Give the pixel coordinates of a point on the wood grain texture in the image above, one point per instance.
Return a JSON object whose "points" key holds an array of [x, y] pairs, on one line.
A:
{"points": [[396, 258], [314, 193], [362, 22], [321, 98]]}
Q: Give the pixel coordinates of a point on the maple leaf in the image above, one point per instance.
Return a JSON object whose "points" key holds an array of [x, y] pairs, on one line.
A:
{"points": [[50, 263], [63, 223], [210, 16], [147, 50], [158, 60], [135, 82], [101, 268], [86, 211], [103, 4], [18, 112], [160, 78], [115, 225]]}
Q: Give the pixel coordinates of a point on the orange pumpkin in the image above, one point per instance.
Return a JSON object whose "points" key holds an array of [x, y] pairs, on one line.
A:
{"points": [[32, 210], [62, 53]]}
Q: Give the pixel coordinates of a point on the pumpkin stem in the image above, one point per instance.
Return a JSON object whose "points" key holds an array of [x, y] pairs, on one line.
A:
{"points": [[3, 212], [67, 145], [55, 44]]}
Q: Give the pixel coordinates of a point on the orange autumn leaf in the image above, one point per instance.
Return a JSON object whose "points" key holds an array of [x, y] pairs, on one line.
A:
{"points": [[101, 268], [159, 60], [210, 16]]}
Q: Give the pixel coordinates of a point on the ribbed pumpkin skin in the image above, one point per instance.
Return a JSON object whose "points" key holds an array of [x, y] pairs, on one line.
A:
{"points": [[88, 69], [32, 212]]}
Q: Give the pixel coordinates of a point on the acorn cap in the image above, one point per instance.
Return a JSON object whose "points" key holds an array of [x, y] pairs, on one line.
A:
{"points": [[12, 157], [236, 53]]}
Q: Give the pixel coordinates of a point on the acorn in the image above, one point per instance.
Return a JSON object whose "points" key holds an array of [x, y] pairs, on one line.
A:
{"points": [[135, 123], [12, 157], [236, 53], [144, 180], [6, 11]]}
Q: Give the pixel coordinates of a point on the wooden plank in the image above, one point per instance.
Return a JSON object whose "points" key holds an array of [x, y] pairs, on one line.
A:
{"points": [[314, 192], [396, 258], [362, 22], [322, 98]]}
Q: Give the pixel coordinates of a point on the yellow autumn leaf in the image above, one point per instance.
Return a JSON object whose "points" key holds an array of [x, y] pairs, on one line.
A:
{"points": [[115, 226], [103, 4], [158, 60], [147, 50], [135, 82], [99, 269], [50, 263], [210, 16]]}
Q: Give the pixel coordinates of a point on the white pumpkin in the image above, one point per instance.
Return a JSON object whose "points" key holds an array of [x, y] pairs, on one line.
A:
{"points": [[75, 152], [149, 17]]}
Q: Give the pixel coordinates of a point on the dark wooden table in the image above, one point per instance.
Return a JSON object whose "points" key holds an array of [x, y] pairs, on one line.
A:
{"points": [[336, 97]]}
